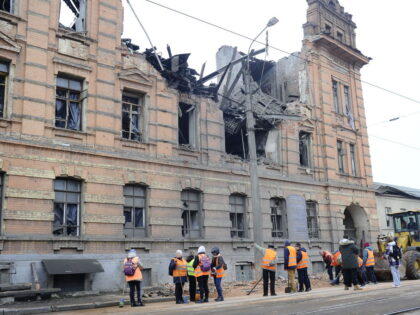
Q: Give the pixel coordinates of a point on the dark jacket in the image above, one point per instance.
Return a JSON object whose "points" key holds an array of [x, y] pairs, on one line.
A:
{"points": [[213, 262], [349, 253], [172, 265], [299, 254], [286, 256]]}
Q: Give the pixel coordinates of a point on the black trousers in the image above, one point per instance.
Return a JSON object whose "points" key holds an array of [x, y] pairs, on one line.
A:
{"points": [[178, 292], [193, 287], [337, 274], [134, 286], [269, 275], [203, 284], [303, 279], [370, 273], [350, 277], [330, 272]]}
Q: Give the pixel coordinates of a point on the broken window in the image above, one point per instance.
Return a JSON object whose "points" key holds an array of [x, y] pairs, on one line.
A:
{"points": [[335, 96], [4, 72], [187, 125], [340, 36], [236, 141], [134, 210], [6, 5], [67, 207], [73, 15], [131, 116], [237, 215], [353, 159], [340, 155], [68, 103], [304, 148], [388, 211], [347, 106], [191, 213], [327, 29], [278, 217], [312, 219]]}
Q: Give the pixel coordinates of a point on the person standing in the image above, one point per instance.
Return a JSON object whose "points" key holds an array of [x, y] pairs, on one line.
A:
{"points": [[336, 263], [268, 265], [302, 268], [290, 265], [393, 253], [132, 269], [327, 258], [192, 280], [369, 263], [361, 273], [349, 263], [178, 270], [218, 272], [202, 267]]}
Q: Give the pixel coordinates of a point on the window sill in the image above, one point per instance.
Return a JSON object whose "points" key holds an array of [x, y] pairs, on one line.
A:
{"points": [[77, 36], [192, 152], [4, 122], [14, 19], [132, 143], [68, 133]]}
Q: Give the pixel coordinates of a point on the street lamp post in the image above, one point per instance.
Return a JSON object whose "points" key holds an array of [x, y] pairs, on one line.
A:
{"points": [[252, 149]]}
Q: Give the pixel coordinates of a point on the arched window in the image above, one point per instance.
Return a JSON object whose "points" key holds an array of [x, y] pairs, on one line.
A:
{"points": [[191, 213], [278, 218], [134, 211]]}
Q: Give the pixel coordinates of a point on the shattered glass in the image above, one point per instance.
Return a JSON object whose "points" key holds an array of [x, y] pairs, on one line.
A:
{"points": [[58, 218], [74, 116], [138, 216], [71, 217]]}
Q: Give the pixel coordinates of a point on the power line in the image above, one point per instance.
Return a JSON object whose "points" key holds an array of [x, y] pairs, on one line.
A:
{"points": [[276, 48], [394, 119], [395, 142]]}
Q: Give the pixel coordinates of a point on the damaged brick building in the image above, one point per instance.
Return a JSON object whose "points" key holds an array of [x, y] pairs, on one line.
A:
{"points": [[103, 149]]}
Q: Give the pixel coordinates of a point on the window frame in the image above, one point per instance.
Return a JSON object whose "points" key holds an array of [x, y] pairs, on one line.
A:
{"points": [[235, 230], [308, 148], [340, 156], [12, 4], [66, 191], [335, 86], [2, 184], [75, 26], [4, 86], [187, 230], [68, 90], [140, 120], [192, 111], [353, 164], [277, 204], [130, 228], [313, 232]]}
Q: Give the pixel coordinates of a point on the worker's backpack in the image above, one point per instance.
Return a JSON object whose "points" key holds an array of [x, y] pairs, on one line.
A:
{"points": [[205, 263], [396, 252], [129, 267]]}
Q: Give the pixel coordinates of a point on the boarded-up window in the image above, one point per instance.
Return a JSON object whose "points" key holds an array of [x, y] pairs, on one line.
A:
{"points": [[134, 211], [278, 217], [312, 219], [131, 116], [68, 103], [244, 272], [67, 207], [4, 72], [237, 215], [191, 213]]}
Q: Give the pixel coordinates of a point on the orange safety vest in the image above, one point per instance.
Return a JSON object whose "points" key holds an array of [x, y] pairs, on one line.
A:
{"points": [[198, 271], [292, 256], [137, 273], [360, 261], [370, 261], [335, 262], [268, 261], [180, 268], [304, 262], [220, 273]]}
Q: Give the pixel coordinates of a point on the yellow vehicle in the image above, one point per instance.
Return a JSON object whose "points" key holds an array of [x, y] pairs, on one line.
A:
{"points": [[407, 232]]}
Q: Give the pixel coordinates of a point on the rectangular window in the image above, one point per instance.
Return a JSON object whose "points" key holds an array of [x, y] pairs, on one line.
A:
{"points": [[187, 125], [340, 156], [327, 29], [278, 217], [6, 5], [191, 210], [1, 196], [388, 211], [312, 219], [340, 36], [134, 210], [131, 116], [304, 148], [347, 104], [73, 15], [4, 72], [335, 96], [353, 159], [67, 207], [68, 103], [237, 215]]}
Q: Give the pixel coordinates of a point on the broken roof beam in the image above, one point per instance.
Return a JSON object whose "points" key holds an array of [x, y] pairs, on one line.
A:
{"points": [[219, 71]]}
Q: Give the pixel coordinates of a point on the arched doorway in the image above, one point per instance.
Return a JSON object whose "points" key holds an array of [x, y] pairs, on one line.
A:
{"points": [[356, 224]]}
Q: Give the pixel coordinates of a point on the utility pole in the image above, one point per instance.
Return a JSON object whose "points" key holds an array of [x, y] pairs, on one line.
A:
{"points": [[252, 150]]}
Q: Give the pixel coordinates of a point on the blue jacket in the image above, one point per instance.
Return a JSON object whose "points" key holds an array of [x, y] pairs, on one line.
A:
{"points": [[365, 254], [299, 254]]}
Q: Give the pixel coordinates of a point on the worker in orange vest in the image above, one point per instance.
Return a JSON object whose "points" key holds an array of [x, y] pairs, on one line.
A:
{"points": [[218, 272], [302, 268], [327, 258], [269, 266], [337, 266], [361, 274], [178, 270], [202, 267], [369, 263], [290, 263], [132, 268]]}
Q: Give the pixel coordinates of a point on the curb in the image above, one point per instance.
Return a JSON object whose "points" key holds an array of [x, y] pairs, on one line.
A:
{"points": [[73, 307]]}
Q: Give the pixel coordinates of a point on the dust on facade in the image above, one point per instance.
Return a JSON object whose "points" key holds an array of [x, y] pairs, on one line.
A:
{"points": [[103, 150]]}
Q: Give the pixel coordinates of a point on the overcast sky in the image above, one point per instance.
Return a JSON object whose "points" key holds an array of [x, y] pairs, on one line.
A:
{"points": [[387, 31]]}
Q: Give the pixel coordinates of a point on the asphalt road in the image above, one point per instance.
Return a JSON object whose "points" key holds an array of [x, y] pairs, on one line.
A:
{"points": [[375, 299]]}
